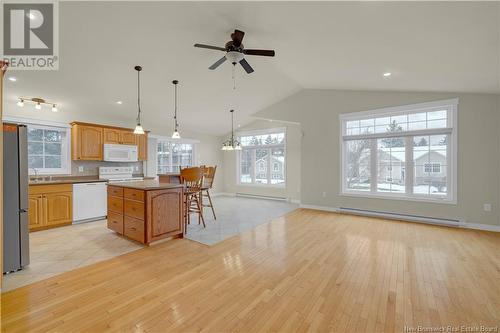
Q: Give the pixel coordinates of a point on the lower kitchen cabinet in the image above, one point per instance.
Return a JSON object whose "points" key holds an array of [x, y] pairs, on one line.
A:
{"points": [[145, 215], [50, 206]]}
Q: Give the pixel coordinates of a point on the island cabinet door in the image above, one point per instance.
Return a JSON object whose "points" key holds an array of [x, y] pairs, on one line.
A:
{"points": [[164, 214]]}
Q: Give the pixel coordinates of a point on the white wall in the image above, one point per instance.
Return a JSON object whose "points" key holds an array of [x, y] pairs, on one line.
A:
{"points": [[478, 150], [292, 189]]}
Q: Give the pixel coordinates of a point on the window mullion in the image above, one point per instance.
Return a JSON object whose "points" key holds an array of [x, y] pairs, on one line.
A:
{"points": [[373, 165], [254, 165], [409, 166], [269, 165]]}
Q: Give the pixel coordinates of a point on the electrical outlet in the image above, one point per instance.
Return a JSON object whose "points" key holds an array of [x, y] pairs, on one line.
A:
{"points": [[487, 207], [136, 168], [80, 168], [324, 194]]}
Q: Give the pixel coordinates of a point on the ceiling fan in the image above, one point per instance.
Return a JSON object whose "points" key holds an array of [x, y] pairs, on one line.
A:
{"points": [[235, 52]]}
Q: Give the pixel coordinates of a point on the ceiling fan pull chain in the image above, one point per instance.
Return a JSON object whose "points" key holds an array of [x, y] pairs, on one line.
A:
{"points": [[234, 77]]}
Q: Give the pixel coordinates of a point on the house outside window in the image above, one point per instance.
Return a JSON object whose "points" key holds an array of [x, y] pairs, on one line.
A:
{"points": [[173, 155], [406, 152], [260, 151]]}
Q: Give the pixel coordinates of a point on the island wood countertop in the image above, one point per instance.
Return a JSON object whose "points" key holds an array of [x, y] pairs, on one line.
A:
{"points": [[147, 185]]}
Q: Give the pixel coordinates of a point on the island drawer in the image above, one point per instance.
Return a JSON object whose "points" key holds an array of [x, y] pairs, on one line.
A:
{"points": [[132, 194], [134, 229], [115, 204], [115, 191], [115, 222], [134, 209]]}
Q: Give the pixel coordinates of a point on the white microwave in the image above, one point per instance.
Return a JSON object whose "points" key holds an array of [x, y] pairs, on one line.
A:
{"points": [[120, 153]]}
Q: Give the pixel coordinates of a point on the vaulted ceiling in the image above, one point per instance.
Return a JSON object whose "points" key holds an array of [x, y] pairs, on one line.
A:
{"points": [[432, 46]]}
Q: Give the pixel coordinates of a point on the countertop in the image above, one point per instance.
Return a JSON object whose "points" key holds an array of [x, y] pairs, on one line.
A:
{"points": [[66, 180], [147, 185]]}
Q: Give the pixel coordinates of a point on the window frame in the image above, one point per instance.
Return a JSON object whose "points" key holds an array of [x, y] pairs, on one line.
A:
{"points": [[239, 134], [451, 105], [48, 125], [160, 139]]}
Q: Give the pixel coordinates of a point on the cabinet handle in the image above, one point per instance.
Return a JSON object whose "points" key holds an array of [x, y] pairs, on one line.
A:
{"points": [[133, 229]]}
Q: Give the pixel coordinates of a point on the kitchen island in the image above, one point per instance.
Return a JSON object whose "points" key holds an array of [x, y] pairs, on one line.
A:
{"points": [[146, 211]]}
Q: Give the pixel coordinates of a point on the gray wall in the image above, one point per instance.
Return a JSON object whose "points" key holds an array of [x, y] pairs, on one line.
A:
{"points": [[478, 150], [293, 140]]}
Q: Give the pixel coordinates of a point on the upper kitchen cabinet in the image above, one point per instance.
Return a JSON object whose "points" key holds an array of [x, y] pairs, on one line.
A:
{"points": [[141, 140], [119, 136], [86, 142]]}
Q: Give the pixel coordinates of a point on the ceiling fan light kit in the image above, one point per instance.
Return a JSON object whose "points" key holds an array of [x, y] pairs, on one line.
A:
{"points": [[38, 102], [138, 128]]}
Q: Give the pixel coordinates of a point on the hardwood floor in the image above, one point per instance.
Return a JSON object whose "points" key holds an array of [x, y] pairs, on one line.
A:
{"points": [[307, 271]]}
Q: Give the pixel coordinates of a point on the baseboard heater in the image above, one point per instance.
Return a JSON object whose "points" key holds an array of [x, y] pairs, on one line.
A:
{"points": [[260, 196], [405, 217]]}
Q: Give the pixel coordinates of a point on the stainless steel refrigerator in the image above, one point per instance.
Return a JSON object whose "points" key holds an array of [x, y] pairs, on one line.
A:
{"points": [[15, 198]]}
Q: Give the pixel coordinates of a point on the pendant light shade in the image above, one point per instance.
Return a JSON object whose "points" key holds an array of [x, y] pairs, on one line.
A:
{"points": [[175, 134], [232, 143], [138, 128]]}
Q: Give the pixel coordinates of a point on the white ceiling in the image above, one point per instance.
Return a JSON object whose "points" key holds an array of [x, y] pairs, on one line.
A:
{"points": [[444, 46]]}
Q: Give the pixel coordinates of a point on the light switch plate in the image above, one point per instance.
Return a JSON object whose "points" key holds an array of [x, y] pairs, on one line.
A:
{"points": [[80, 168], [487, 207]]}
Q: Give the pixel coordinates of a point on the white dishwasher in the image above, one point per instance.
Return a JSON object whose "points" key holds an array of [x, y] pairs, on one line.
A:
{"points": [[90, 202]]}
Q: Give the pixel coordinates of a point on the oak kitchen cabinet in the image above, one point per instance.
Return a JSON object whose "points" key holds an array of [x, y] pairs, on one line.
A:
{"points": [[87, 140], [146, 211], [117, 136], [50, 206]]}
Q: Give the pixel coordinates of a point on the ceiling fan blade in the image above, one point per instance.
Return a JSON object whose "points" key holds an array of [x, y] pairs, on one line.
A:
{"points": [[246, 66], [218, 63], [266, 53], [204, 46], [237, 37]]}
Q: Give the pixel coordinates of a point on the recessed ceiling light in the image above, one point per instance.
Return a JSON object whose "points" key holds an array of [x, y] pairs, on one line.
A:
{"points": [[119, 102], [13, 79], [239, 125], [387, 74]]}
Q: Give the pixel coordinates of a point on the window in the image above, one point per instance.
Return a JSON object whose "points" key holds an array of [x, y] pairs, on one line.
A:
{"points": [[262, 149], [48, 150], [432, 167], [380, 146], [172, 155]]}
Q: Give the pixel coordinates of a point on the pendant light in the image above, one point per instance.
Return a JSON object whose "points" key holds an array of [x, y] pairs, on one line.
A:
{"points": [[138, 128], [176, 134], [232, 143]]}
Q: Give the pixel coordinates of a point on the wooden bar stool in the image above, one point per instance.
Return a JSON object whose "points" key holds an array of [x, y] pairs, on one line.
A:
{"points": [[192, 178], [208, 181]]}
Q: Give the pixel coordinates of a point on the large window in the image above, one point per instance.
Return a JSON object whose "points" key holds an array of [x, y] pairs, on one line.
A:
{"points": [[48, 150], [262, 158], [172, 155], [404, 152]]}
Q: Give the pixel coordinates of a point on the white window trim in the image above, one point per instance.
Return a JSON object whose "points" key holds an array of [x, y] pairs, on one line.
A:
{"points": [[239, 134], [44, 124], [452, 149]]}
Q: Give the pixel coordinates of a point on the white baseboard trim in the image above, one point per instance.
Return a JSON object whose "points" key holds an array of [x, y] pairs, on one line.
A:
{"points": [[323, 208], [461, 224], [295, 201], [479, 226], [222, 194], [256, 196]]}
